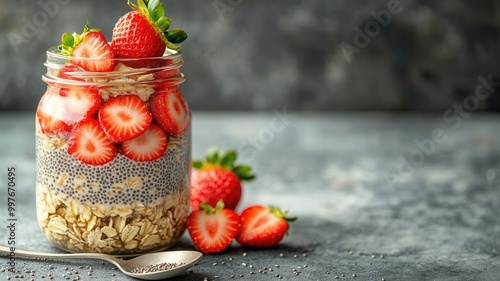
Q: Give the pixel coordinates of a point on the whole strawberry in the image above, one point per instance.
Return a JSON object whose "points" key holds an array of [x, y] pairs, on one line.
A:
{"points": [[142, 33], [218, 178], [263, 226], [213, 229]]}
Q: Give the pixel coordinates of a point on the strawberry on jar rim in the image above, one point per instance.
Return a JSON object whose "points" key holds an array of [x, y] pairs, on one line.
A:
{"points": [[142, 33], [89, 50]]}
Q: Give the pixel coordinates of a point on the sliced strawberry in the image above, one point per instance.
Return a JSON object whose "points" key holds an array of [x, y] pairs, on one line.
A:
{"points": [[89, 143], [124, 117], [262, 227], [81, 101], [89, 50], [170, 111], [51, 115], [212, 229], [149, 146]]}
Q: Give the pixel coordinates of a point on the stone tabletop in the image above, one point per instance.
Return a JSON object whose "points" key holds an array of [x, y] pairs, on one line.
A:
{"points": [[379, 197]]}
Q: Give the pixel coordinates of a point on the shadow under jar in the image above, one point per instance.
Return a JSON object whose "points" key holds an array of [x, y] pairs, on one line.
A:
{"points": [[103, 182]]}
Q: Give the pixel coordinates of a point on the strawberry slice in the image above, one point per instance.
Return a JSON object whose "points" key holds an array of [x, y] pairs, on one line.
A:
{"points": [[124, 117], [89, 143], [89, 50], [170, 110], [149, 146], [262, 227], [81, 102], [50, 115], [212, 229]]}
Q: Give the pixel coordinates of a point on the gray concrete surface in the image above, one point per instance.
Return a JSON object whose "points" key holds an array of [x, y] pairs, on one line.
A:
{"points": [[440, 219]]}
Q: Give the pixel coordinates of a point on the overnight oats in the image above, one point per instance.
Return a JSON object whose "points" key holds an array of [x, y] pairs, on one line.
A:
{"points": [[113, 139]]}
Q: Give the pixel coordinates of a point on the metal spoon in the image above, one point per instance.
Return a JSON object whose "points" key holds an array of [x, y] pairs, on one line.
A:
{"points": [[181, 261]]}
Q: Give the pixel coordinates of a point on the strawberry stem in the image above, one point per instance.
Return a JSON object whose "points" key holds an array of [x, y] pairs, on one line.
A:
{"points": [[280, 214], [209, 210]]}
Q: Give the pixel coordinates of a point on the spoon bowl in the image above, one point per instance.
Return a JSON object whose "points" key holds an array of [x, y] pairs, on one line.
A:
{"points": [[153, 266]]}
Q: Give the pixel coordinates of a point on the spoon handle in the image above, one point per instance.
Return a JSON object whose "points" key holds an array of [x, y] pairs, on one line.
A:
{"points": [[32, 254]]}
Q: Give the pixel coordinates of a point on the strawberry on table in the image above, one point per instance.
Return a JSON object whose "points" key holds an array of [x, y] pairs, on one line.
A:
{"points": [[89, 144], [149, 146], [218, 178], [212, 229], [89, 50], [263, 226], [142, 33], [124, 117], [170, 110]]}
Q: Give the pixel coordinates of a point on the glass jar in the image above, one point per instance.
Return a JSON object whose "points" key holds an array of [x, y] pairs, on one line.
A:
{"points": [[105, 181]]}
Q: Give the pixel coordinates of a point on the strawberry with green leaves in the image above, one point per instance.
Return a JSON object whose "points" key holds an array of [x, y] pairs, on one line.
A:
{"points": [[218, 178], [89, 50], [263, 227], [143, 32], [213, 229]]}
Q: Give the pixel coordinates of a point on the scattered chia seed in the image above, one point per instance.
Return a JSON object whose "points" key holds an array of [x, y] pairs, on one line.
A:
{"points": [[281, 255], [245, 254], [295, 256], [353, 275], [351, 252], [157, 267], [244, 264]]}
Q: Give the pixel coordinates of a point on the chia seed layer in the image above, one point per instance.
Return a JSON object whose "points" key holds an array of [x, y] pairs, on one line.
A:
{"points": [[118, 182]]}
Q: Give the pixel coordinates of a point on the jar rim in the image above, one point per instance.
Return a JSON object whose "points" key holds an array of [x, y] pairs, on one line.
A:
{"points": [[55, 61]]}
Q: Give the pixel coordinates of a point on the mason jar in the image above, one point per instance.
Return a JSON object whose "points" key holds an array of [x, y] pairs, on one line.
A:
{"points": [[113, 155]]}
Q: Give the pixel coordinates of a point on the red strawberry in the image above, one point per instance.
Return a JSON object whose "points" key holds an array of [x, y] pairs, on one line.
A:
{"points": [[80, 101], [51, 114], [142, 33], [218, 178], [170, 110], [262, 227], [124, 117], [89, 143], [149, 146], [212, 229], [89, 50]]}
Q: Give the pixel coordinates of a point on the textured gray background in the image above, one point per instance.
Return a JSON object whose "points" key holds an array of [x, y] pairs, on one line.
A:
{"points": [[257, 54]]}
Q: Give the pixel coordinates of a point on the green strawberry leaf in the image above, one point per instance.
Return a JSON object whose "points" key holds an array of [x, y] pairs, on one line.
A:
{"points": [[228, 159], [197, 164], [176, 35], [212, 155], [152, 4]]}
